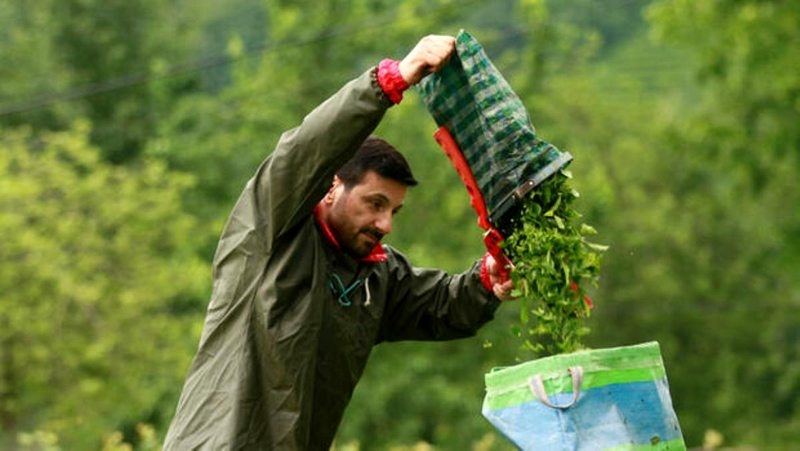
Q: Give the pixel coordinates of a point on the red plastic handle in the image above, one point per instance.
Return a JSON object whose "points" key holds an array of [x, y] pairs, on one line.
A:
{"points": [[448, 144], [492, 238]]}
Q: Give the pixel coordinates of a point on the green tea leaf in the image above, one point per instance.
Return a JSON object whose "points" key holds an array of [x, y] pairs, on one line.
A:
{"points": [[586, 229], [551, 257], [597, 247]]}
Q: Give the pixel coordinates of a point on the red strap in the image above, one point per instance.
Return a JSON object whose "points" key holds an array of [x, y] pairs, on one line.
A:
{"points": [[492, 238], [448, 144]]}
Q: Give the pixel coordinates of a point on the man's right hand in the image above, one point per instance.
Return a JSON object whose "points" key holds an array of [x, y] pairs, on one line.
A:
{"points": [[502, 286], [429, 55]]}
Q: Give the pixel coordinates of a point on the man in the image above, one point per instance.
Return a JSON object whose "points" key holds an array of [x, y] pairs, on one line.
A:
{"points": [[303, 288]]}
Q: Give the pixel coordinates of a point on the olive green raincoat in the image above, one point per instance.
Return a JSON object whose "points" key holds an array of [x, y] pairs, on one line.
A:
{"points": [[282, 349]]}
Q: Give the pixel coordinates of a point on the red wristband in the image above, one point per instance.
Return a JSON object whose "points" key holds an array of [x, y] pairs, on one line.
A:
{"points": [[392, 83]]}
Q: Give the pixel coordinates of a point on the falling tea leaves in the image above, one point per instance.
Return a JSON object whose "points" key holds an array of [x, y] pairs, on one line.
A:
{"points": [[553, 263]]}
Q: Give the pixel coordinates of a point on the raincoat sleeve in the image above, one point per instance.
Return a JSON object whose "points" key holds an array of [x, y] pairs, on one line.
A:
{"points": [[292, 180], [430, 304]]}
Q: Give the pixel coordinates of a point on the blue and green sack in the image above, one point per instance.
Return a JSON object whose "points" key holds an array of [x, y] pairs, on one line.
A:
{"points": [[603, 399]]}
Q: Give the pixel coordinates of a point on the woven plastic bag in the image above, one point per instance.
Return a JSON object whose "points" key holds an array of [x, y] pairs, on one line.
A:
{"points": [[603, 399], [470, 99]]}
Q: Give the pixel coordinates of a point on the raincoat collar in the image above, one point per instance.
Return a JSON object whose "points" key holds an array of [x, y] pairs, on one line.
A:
{"points": [[378, 254]]}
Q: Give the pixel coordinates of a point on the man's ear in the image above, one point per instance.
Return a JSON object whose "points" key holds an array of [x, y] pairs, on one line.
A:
{"points": [[332, 190]]}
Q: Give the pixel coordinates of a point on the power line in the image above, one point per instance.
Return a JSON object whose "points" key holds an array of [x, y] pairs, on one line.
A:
{"points": [[130, 80], [213, 61]]}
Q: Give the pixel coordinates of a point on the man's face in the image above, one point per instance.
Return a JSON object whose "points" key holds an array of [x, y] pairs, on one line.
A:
{"points": [[360, 216]]}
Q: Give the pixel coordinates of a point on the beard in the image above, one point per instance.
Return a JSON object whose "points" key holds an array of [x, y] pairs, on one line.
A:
{"points": [[362, 243]]}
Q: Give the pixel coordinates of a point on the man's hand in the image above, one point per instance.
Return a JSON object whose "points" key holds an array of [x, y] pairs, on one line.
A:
{"points": [[502, 289], [429, 55]]}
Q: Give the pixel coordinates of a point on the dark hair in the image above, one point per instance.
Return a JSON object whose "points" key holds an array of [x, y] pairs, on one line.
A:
{"points": [[376, 155]]}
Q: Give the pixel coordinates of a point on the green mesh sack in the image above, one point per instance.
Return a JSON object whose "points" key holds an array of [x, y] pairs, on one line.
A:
{"points": [[489, 123]]}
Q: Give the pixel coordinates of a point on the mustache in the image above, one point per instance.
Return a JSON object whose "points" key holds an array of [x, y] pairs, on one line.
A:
{"points": [[373, 232]]}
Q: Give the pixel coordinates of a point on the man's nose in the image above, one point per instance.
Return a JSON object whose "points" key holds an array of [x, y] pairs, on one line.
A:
{"points": [[384, 222]]}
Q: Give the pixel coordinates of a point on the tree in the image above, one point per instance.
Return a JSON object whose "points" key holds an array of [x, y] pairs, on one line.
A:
{"points": [[685, 155], [96, 266], [692, 202], [117, 63], [743, 139]]}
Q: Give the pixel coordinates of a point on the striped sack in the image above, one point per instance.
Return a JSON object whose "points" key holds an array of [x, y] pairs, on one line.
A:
{"points": [[471, 99]]}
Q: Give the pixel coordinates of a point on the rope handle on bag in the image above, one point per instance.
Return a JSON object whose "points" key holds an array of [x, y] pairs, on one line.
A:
{"points": [[536, 385]]}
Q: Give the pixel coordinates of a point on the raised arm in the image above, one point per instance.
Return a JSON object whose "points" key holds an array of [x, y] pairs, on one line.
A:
{"points": [[291, 181]]}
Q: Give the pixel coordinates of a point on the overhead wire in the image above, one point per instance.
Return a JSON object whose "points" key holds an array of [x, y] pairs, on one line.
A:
{"points": [[198, 65], [215, 61]]}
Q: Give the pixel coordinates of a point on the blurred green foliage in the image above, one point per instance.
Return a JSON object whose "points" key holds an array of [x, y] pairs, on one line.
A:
{"points": [[127, 129]]}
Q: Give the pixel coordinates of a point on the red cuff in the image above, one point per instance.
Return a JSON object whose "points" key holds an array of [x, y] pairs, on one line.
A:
{"points": [[392, 83], [487, 282]]}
